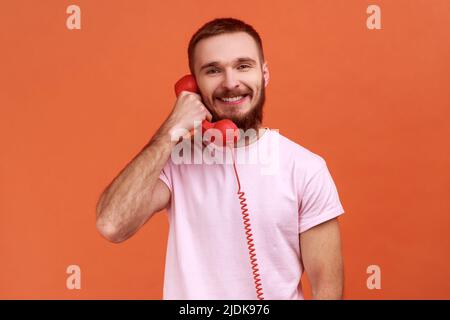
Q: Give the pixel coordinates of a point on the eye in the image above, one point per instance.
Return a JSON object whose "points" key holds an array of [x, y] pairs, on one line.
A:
{"points": [[245, 66], [211, 71]]}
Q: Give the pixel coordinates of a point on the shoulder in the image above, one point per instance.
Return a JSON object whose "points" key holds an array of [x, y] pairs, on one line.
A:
{"points": [[296, 154]]}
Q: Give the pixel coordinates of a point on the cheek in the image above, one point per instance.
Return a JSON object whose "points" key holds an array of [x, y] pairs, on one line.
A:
{"points": [[208, 91], [207, 95], [209, 100]]}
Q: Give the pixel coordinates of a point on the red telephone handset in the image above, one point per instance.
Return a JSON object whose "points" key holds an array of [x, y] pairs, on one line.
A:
{"points": [[187, 83]]}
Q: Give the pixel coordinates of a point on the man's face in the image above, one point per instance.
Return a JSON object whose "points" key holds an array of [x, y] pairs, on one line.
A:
{"points": [[231, 78]]}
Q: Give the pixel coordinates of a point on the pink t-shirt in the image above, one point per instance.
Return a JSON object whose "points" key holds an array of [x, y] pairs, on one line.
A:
{"points": [[288, 189]]}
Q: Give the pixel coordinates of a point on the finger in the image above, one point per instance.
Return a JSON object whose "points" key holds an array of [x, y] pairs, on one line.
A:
{"points": [[208, 115], [186, 93], [188, 134]]}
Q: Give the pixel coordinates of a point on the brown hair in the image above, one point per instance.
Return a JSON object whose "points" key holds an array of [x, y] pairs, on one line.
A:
{"points": [[221, 26]]}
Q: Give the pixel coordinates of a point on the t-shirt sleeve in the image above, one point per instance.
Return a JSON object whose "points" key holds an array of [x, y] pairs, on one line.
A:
{"points": [[319, 200], [166, 175]]}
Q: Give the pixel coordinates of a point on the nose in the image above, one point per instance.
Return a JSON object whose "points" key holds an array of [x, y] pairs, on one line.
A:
{"points": [[230, 81]]}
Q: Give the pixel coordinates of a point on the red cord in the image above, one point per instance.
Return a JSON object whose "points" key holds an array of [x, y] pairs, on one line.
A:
{"points": [[247, 227]]}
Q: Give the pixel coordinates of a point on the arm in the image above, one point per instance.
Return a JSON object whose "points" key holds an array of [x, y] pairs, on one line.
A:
{"points": [[137, 193], [322, 259]]}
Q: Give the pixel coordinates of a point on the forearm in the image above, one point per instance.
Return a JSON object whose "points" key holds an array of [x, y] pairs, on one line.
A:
{"points": [[327, 292], [327, 286], [121, 208]]}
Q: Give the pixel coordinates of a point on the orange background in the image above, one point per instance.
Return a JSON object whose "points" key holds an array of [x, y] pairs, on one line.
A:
{"points": [[77, 105]]}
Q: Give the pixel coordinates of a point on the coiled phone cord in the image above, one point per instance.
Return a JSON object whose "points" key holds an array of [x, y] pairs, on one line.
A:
{"points": [[248, 232]]}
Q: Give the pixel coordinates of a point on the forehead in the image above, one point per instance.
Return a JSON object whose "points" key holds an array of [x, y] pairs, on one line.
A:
{"points": [[225, 48]]}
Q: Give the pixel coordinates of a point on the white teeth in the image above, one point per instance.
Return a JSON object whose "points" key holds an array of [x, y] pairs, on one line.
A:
{"points": [[232, 99]]}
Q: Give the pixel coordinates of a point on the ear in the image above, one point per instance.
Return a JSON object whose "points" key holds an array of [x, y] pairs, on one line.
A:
{"points": [[266, 74]]}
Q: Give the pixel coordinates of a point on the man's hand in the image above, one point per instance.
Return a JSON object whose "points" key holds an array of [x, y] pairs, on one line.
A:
{"points": [[188, 109], [322, 260]]}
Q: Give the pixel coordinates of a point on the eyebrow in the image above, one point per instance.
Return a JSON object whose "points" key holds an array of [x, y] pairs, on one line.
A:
{"points": [[239, 60]]}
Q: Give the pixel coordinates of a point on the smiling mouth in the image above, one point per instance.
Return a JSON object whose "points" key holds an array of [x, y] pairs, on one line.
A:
{"points": [[234, 100]]}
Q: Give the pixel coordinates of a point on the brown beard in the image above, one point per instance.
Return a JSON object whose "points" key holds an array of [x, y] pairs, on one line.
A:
{"points": [[252, 119]]}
